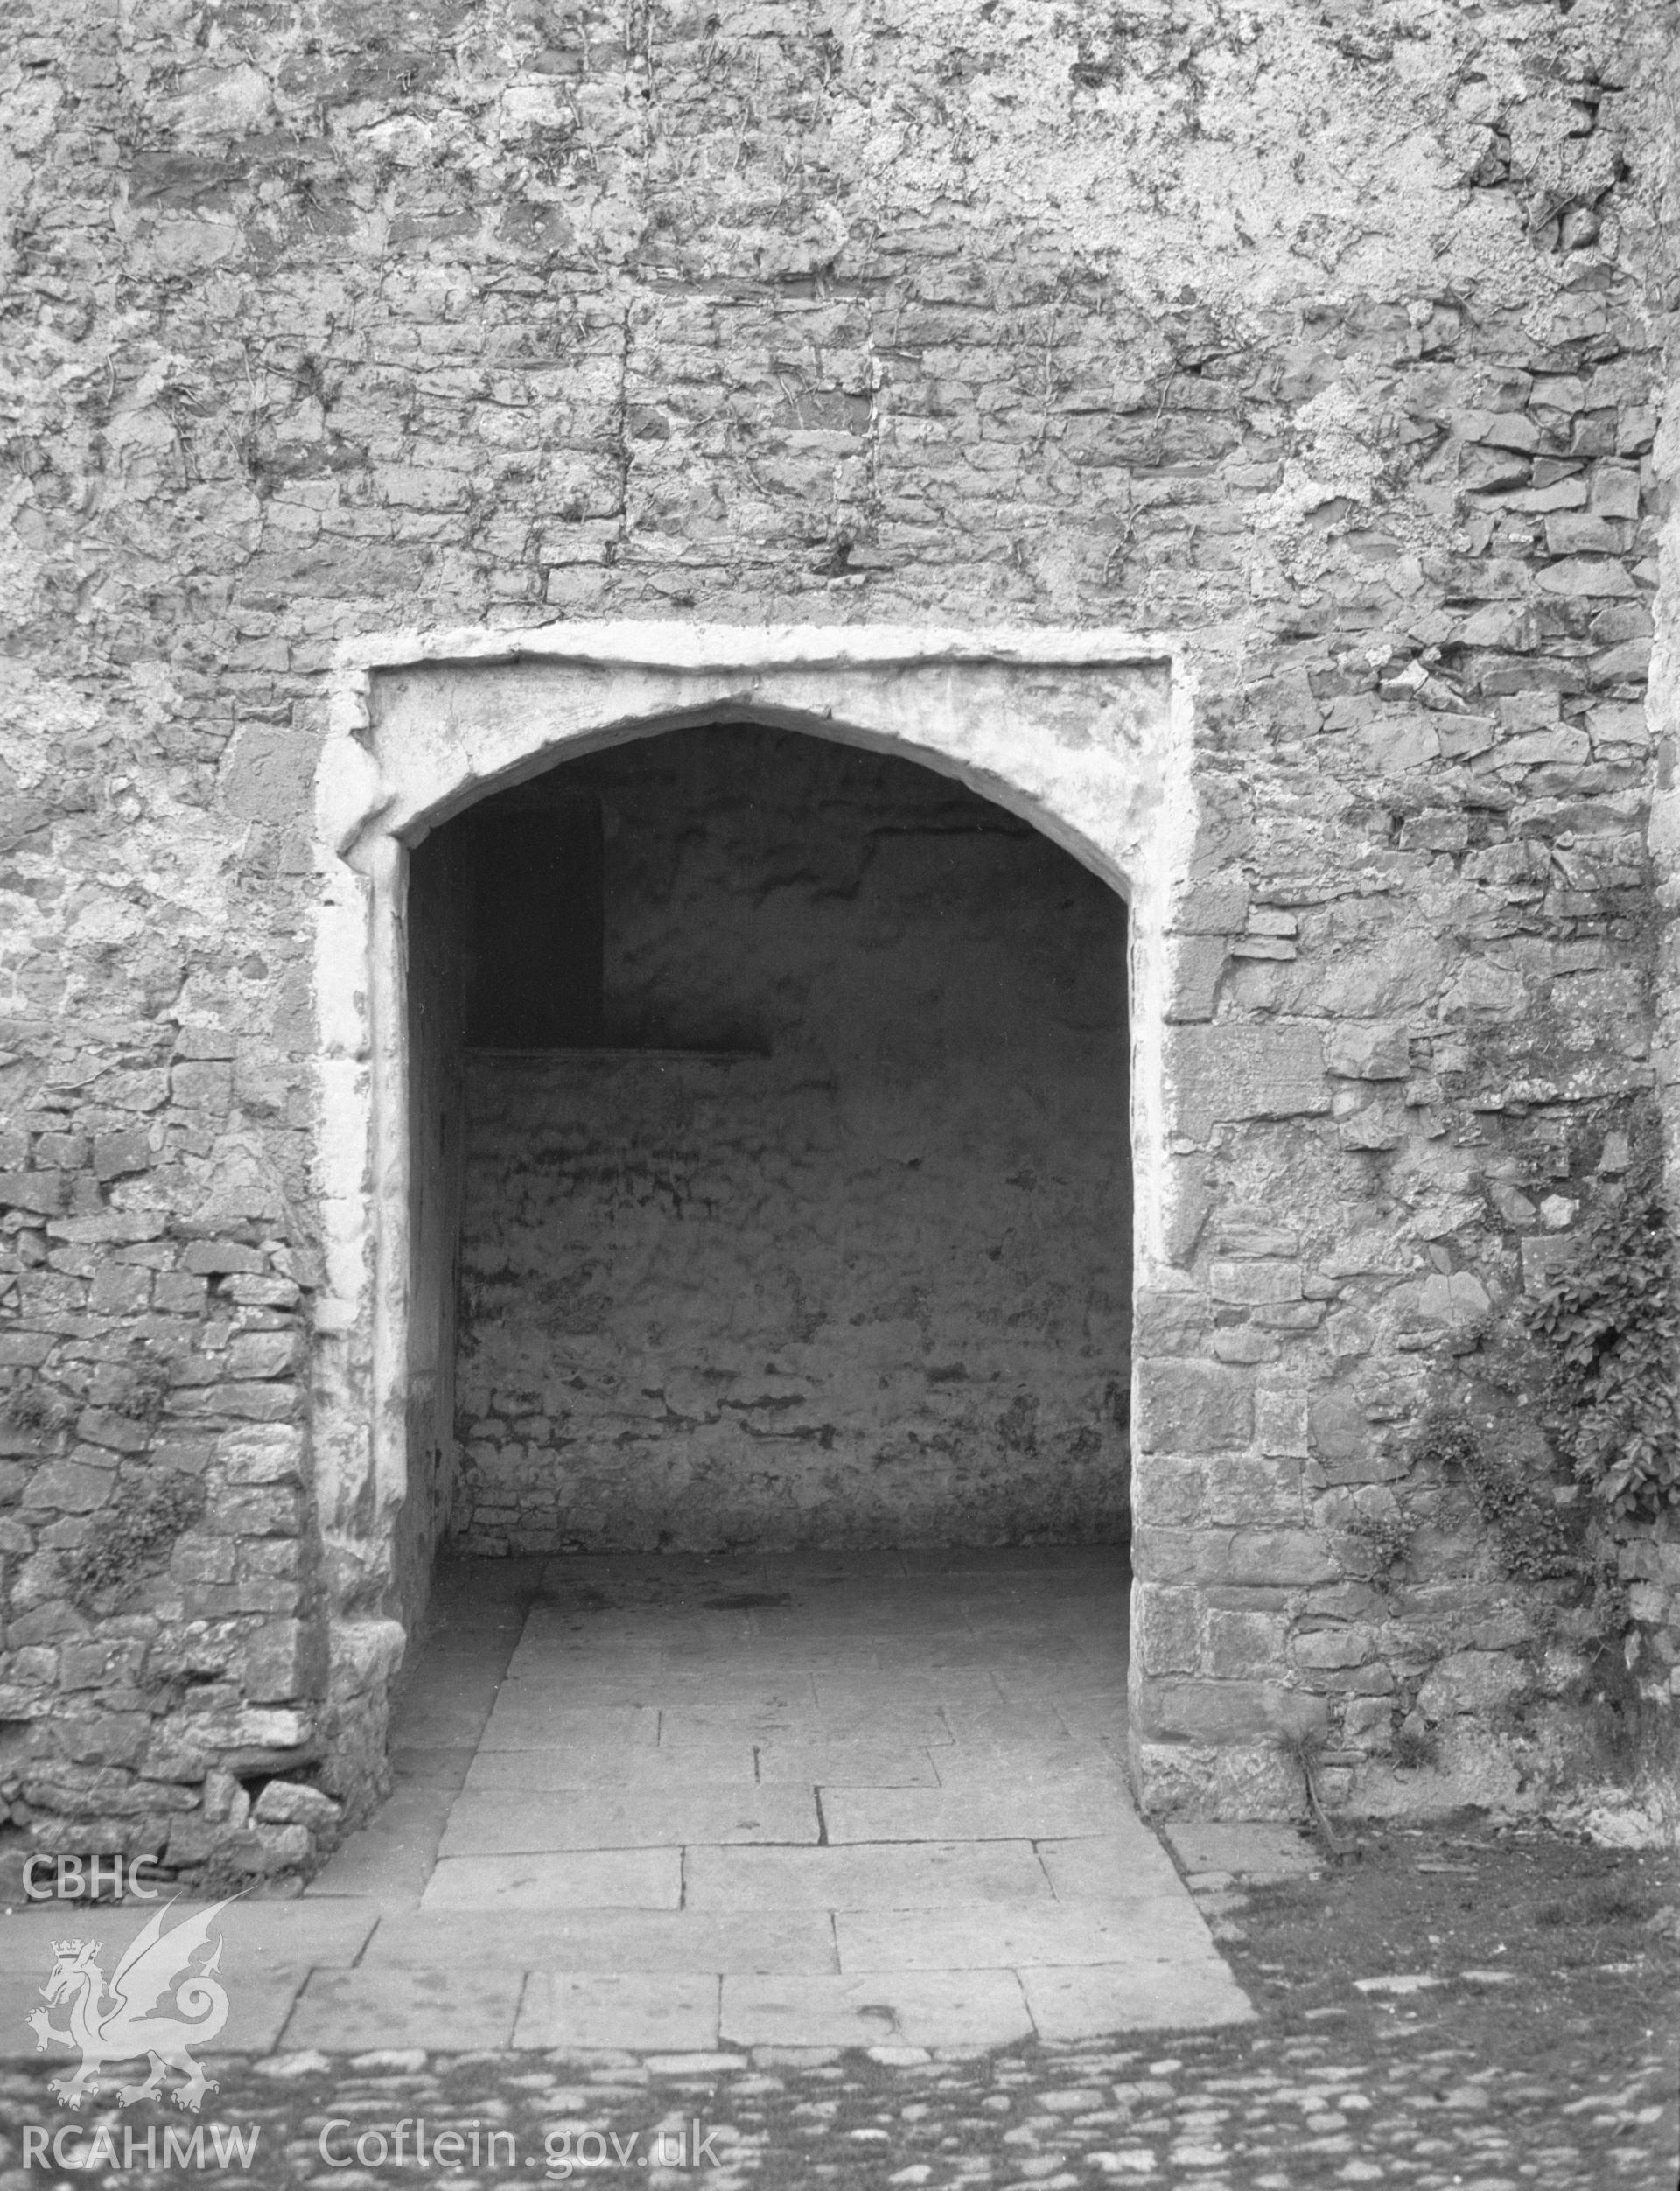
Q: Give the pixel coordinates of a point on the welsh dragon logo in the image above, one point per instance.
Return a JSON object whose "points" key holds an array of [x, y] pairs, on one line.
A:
{"points": [[123, 2020]]}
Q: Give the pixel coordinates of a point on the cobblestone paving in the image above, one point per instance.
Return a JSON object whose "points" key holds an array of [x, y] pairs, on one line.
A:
{"points": [[1251, 2110]]}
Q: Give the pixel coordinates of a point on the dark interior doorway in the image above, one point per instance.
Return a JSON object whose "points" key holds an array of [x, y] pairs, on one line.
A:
{"points": [[771, 1177]]}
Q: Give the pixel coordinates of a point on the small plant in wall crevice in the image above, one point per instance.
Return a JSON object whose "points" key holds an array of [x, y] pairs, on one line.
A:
{"points": [[1386, 1541], [35, 1409], [134, 1532]]}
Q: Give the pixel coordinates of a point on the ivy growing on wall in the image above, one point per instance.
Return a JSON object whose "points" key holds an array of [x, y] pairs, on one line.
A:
{"points": [[1609, 1329], [1538, 1540]]}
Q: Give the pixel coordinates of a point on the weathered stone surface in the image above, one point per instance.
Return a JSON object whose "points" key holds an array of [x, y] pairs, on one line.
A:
{"points": [[1235, 1072], [1479, 1682], [292, 1803], [1187, 1407], [1226, 1711], [1376, 1050], [1398, 501]]}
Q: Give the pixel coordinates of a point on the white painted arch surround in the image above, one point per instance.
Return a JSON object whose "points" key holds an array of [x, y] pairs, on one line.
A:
{"points": [[1086, 734]]}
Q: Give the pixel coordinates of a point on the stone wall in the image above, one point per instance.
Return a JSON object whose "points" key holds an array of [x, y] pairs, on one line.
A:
{"points": [[831, 1246], [1327, 343]]}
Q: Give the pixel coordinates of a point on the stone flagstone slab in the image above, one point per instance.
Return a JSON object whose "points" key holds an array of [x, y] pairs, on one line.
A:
{"points": [[972, 2008], [447, 2010], [1086, 2002], [1016, 1767], [671, 1940], [301, 1931], [662, 2011], [570, 1879], [495, 1822], [1028, 1813], [727, 1764], [864, 1876], [536, 1715], [846, 1765], [1101, 1866], [259, 2001], [1245, 1849], [392, 1857], [1137, 1932]]}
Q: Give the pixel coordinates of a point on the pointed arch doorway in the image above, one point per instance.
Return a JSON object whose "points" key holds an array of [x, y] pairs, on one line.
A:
{"points": [[711, 1010]]}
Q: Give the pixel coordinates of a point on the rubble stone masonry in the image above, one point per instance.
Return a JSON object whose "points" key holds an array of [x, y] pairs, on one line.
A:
{"points": [[1323, 344]]}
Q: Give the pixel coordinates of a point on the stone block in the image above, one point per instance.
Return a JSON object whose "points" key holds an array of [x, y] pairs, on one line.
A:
{"points": [[27, 1350], [1190, 1407], [105, 1426], [1245, 1490], [1451, 1299], [206, 1087], [1167, 1493], [197, 1559], [1179, 1555], [178, 1293], [263, 1510], [211, 1258], [1565, 747], [119, 1289], [263, 1292], [1169, 1628], [1367, 1723], [1261, 1242], [1163, 1322], [1189, 1204], [1279, 1556], [1243, 1643], [252, 1403], [1320, 1649], [1224, 1710], [1238, 1072], [1615, 490], [1500, 430], [1337, 1425], [264, 1594], [1585, 578], [119, 1155], [70, 1487], [1247, 1283], [1243, 1345], [1212, 908], [286, 1660], [265, 773], [1369, 1050], [1401, 739], [60, 1151], [265, 1454], [264, 1353], [41, 1191], [1197, 963], [1477, 1681], [1280, 1421], [294, 1803], [1377, 1126]]}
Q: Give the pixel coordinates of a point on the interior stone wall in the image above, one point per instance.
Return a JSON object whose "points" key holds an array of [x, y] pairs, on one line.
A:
{"points": [[831, 1244]]}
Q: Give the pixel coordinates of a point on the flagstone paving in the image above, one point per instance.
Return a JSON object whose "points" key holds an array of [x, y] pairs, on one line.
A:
{"points": [[830, 1800], [1471, 2007]]}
